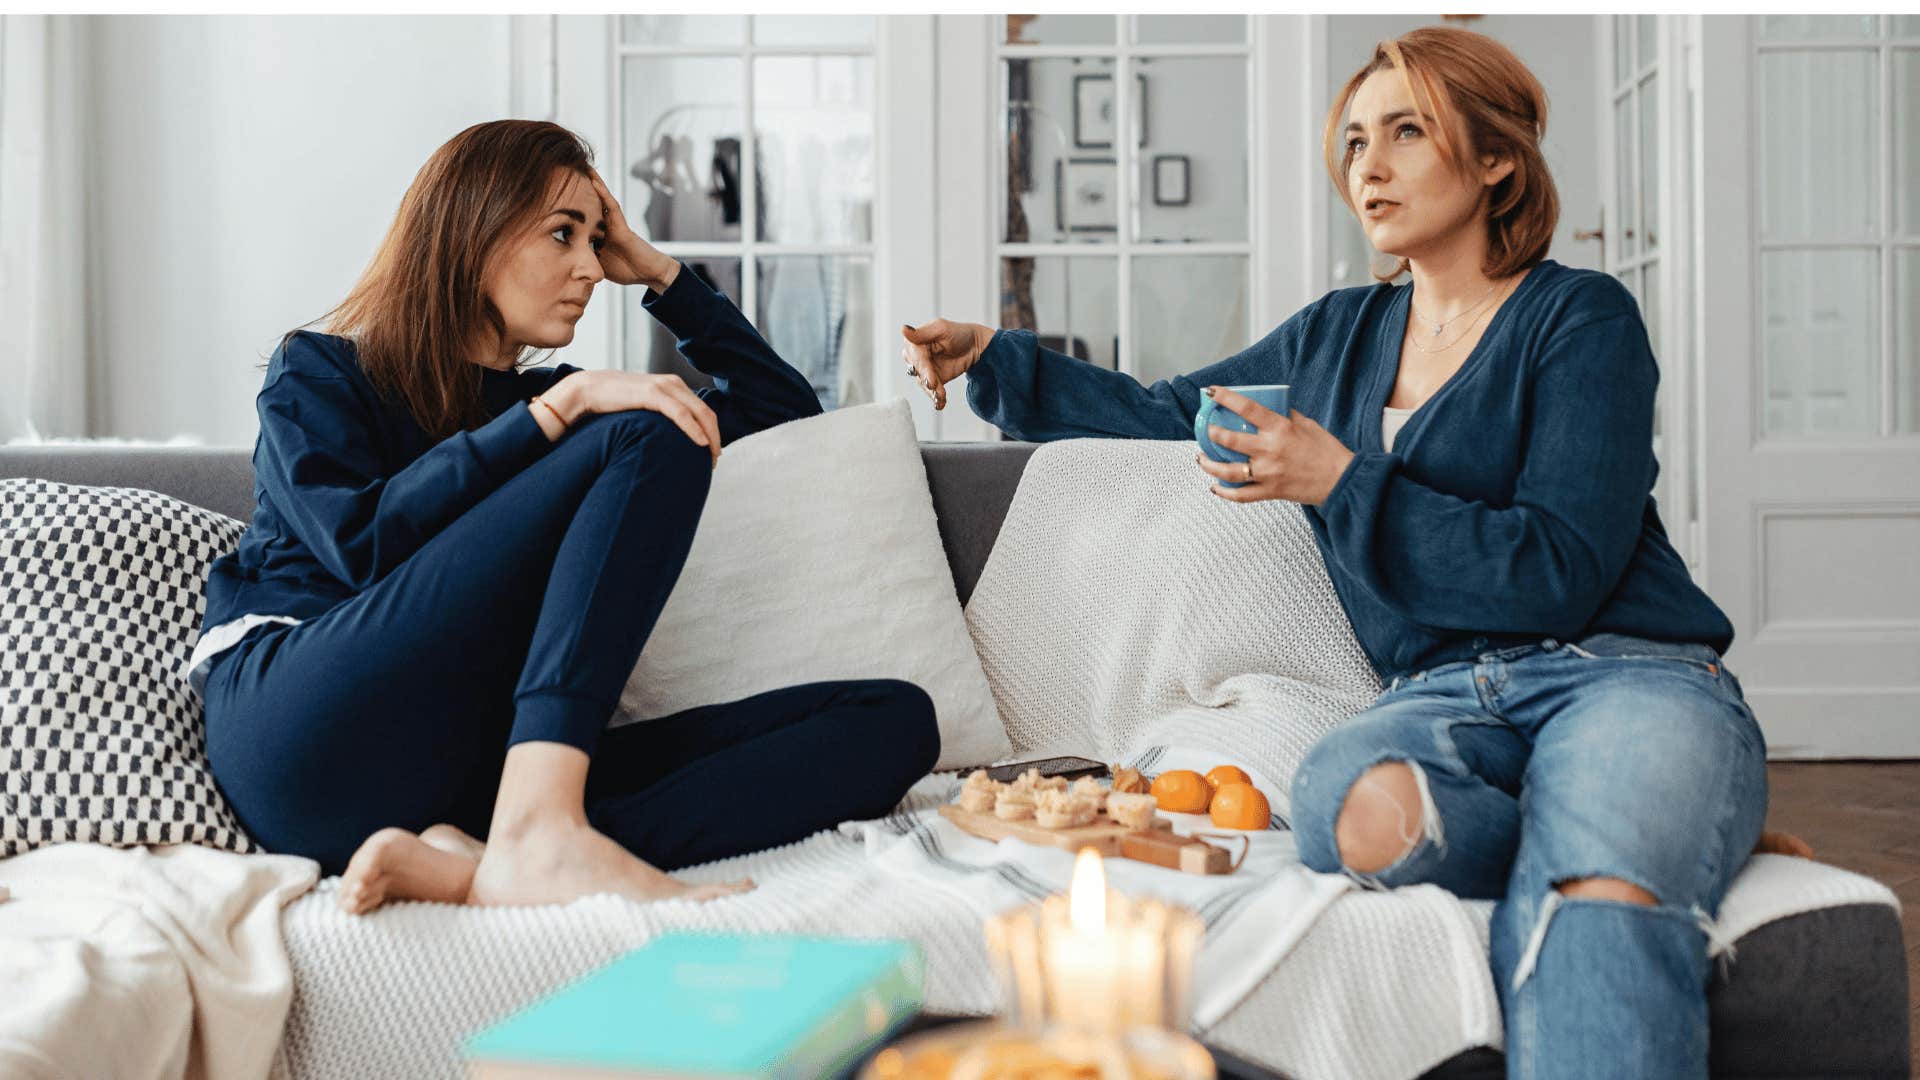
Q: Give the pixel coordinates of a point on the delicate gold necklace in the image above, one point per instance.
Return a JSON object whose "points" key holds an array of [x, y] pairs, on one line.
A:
{"points": [[1437, 327]]}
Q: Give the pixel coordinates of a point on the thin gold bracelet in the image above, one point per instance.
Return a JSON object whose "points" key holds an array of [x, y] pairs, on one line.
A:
{"points": [[564, 426]]}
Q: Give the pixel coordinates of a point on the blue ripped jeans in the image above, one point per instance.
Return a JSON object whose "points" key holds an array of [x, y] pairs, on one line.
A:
{"points": [[1543, 764]]}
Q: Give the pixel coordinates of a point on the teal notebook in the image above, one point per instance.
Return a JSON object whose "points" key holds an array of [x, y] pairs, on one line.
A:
{"points": [[713, 1005]]}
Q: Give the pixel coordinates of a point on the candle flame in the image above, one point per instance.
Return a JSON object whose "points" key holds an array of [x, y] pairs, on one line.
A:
{"points": [[1087, 900]]}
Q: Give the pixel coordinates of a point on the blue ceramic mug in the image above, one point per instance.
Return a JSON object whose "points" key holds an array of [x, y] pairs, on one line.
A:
{"points": [[1214, 414]]}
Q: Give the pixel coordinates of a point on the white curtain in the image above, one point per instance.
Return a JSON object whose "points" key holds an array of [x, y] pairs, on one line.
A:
{"points": [[43, 227]]}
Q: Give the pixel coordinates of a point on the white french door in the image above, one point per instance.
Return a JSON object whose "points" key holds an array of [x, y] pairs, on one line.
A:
{"points": [[1150, 231], [1644, 95], [1808, 282]]}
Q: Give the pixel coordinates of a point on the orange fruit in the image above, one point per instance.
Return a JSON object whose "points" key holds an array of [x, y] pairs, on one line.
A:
{"points": [[1240, 806], [1226, 774], [1181, 791]]}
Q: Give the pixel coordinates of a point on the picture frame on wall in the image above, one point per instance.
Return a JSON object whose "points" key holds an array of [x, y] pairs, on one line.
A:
{"points": [[1086, 195], [1171, 179], [1093, 111]]}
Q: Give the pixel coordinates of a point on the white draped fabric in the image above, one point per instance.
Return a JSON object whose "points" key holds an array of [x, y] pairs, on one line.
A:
{"points": [[43, 226]]}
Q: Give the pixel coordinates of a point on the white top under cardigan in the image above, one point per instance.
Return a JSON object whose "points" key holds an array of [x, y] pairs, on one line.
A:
{"points": [[1391, 423]]}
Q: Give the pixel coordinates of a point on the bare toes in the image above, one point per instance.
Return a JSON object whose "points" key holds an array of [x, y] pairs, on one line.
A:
{"points": [[364, 886]]}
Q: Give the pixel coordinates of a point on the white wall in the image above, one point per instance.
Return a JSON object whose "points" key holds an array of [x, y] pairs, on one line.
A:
{"points": [[247, 168]]}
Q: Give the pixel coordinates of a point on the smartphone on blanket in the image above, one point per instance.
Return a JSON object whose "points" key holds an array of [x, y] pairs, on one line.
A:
{"points": [[1069, 768]]}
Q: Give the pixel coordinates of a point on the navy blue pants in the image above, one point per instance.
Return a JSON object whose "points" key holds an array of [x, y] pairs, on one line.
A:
{"points": [[522, 621]]}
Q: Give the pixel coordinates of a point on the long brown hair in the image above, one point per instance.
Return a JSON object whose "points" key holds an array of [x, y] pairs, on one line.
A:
{"points": [[418, 310], [1483, 101]]}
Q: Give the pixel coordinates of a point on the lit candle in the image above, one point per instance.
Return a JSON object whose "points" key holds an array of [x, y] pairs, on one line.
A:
{"points": [[1085, 959], [1094, 960]]}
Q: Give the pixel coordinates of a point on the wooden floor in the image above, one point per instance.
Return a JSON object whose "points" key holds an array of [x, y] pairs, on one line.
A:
{"points": [[1864, 817]]}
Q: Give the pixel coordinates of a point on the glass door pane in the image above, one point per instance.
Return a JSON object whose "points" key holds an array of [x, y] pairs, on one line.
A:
{"points": [[1057, 29], [1190, 29], [1819, 145], [1626, 239], [817, 313], [682, 137], [1188, 311], [813, 118], [1063, 185], [1820, 315], [1192, 176], [728, 30], [1817, 27], [1906, 142], [1071, 303], [1650, 162], [1622, 49], [1906, 357], [820, 31]]}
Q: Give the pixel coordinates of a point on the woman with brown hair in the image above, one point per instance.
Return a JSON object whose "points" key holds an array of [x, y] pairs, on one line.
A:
{"points": [[1474, 451], [454, 562]]}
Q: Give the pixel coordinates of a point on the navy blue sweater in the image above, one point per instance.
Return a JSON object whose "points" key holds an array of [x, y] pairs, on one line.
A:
{"points": [[346, 485], [1517, 504]]}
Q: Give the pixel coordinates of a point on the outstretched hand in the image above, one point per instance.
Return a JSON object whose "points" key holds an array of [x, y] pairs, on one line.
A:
{"points": [[938, 352]]}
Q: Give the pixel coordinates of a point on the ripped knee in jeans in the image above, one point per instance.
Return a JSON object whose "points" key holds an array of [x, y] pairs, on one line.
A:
{"points": [[1386, 814], [1620, 891], [1606, 888]]}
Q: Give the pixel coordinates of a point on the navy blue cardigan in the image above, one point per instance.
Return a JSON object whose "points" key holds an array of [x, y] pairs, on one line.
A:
{"points": [[347, 486], [1517, 504]]}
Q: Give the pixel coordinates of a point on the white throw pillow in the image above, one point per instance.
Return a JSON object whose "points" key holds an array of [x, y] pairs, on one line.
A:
{"points": [[818, 558]]}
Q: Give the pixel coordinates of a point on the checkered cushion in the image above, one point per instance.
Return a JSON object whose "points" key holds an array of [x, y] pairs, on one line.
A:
{"points": [[101, 741]]}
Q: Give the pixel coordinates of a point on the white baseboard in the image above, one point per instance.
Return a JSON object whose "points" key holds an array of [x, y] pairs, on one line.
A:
{"points": [[1810, 725]]}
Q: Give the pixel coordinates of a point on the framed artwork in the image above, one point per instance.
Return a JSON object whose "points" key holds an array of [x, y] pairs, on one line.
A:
{"points": [[1170, 177], [1084, 195], [1093, 111]]}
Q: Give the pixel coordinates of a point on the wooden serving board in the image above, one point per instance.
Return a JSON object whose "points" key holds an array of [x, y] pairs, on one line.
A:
{"points": [[1157, 845], [1102, 836]]}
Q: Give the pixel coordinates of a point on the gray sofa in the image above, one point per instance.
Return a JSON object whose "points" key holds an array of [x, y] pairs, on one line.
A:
{"points": [[1822, 994]]}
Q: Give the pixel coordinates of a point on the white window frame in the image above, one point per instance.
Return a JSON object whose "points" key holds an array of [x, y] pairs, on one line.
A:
{"points": [[1125, 247], [1286, 216], [566, 69], [749, 249]]}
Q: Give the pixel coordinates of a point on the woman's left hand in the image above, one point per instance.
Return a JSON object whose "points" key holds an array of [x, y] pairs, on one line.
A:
{"points": [[1292, 457], [627, 259]]}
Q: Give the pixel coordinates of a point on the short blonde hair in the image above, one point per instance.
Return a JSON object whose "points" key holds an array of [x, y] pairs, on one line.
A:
{"points": [[1481, 95]]}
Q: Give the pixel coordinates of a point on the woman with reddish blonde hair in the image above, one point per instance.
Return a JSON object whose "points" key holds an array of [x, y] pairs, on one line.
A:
{"points": [[1474, 451]]}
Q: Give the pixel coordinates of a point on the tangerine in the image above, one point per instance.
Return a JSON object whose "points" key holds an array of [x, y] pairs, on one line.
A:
{"points": [[1181, 791], [1240, 806], [1226, 774]]}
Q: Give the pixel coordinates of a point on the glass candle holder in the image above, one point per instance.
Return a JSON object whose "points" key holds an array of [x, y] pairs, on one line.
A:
{"points": [[1134, 971], [1095, 984]]}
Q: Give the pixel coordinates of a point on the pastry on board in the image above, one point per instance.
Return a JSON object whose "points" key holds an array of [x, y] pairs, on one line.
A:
{"points": [[1058, 809]]}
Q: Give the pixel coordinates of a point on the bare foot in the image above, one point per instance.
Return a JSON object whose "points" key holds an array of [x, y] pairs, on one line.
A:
{"points": [[552, 862], [394, 864], [450, 839]]}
